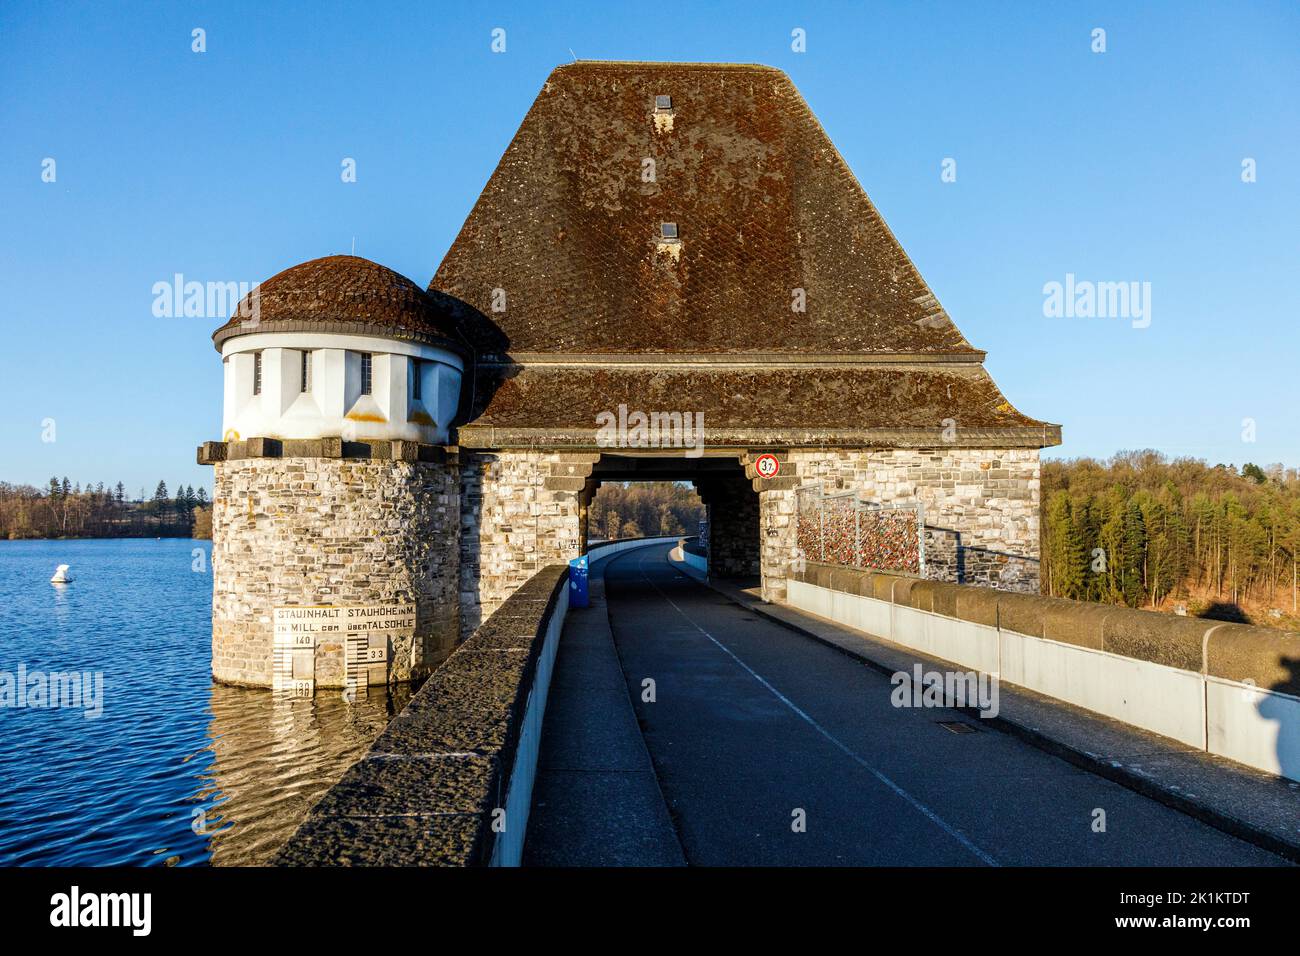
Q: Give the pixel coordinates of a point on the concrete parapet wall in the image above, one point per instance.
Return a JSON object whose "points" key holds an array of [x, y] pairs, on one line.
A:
{"points": [[692, 554], [1230, 689]]}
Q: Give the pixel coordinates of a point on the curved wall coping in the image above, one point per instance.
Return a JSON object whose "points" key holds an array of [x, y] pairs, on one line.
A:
{"points": [[1243, 653]]}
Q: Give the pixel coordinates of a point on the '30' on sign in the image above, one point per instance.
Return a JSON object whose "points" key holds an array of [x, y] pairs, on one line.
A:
{"points": [[767, 466]]}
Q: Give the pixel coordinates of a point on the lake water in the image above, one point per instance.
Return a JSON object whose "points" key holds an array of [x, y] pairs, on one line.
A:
{"points": [[176, 770]]}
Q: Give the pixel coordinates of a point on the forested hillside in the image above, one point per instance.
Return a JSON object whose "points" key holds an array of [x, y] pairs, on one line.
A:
{"points": [[1146, 531], [645, 508]]}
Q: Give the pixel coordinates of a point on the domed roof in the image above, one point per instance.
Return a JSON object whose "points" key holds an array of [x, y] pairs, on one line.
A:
{"points": [[345, 294]]}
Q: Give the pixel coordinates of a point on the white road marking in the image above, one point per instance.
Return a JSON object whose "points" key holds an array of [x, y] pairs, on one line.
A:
{"points": [[929, 814]]}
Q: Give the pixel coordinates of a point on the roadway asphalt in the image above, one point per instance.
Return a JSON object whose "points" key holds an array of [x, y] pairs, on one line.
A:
{"points": [[754, 727]]}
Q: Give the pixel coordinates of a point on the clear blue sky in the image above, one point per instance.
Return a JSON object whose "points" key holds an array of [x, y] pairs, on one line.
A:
{"points": [[1122, 166]]}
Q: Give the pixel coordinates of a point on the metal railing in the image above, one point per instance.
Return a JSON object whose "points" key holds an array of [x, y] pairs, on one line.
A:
{"points": [[842, 529]]}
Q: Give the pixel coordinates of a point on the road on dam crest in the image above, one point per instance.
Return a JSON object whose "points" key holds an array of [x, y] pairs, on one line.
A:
{"points": [[760, 746]]}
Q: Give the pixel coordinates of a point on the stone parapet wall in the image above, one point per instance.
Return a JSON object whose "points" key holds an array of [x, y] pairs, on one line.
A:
{"points": [[947, 559], [332, 531], [436, 788]]}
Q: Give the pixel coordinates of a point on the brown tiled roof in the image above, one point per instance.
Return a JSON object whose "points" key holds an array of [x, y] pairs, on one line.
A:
{"points": [[568, 227], [343, 294], [903, 404], [599, 311]]}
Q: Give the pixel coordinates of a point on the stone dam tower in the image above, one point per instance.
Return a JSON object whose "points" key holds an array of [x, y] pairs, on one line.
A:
{"points": [[666, 239], [344, 496]]}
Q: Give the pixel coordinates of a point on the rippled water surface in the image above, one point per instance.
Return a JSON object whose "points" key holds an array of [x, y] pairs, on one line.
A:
{"points": [[176, 770]]}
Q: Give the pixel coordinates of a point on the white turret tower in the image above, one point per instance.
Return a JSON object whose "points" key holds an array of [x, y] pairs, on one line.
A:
{"points": [[336, 500]]}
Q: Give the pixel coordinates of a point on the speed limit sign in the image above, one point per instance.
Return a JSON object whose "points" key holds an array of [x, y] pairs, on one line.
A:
{"points": [[767, 466]]}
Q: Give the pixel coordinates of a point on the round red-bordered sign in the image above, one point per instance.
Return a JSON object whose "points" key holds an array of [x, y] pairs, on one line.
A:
{"points": [[767, 466]]}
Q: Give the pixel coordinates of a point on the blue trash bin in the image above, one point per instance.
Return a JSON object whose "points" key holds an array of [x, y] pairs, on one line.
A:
{"points": [[578, 582]]}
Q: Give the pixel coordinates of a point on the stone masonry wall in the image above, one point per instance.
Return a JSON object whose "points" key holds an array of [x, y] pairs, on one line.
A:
{"points": [[521, 511], [949, 558], [733, 511], [981, 509], [332, 531]]}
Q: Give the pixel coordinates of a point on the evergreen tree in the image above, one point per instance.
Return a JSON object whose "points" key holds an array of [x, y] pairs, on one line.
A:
{"points": [[181, 507], [1133, 561], [1110, 539], [1068, 554]]}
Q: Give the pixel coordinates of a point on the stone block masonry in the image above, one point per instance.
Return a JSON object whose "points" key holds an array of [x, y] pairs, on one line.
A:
{"points": [[455, 536], [332, 531], [521, 511], [733, 513], [981, 509]]}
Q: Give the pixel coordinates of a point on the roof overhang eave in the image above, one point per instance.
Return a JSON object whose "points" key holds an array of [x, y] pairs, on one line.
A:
{"points": [[1039, 435], [340, 326]]}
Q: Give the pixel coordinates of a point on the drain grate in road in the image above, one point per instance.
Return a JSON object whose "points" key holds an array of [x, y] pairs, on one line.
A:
{"points": [[957, 727]]}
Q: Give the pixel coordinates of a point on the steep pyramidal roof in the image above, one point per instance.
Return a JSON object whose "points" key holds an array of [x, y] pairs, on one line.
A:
{"points": [[569, 225], [675, 235]]}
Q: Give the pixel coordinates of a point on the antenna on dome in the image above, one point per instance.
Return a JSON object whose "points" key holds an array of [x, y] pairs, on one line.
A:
{"points": [[354, 245], [574, 55]]}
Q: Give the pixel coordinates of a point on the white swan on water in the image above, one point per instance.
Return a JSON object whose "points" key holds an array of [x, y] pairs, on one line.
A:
{"points": [[61, 575]]}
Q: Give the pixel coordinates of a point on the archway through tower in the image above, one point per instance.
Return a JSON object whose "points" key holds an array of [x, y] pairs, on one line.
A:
{"points": [[730, 501]]}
